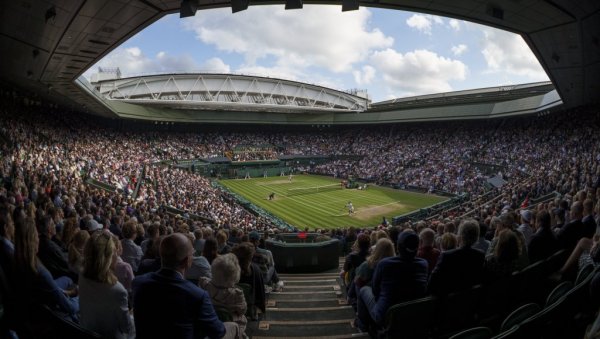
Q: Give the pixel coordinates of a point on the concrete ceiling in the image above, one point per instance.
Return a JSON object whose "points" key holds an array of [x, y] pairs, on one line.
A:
{"points": [[47, 44]]}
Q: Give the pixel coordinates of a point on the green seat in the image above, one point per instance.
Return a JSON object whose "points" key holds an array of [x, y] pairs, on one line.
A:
{"points": [[555, 262], [511, 333], [543, 323], [519, 315], [558, 292], [529, 289], [457, 311], [474, 333], [584, 273], [411, 319]]}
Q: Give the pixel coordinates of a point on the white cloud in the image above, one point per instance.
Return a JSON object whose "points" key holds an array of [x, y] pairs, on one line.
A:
{"points": [[423, 22], [459, 50], [215, 65], [365, 76], [454, 24], [273, 72], [291, 73], [319, 36], [506, 52], [133, 60], [417, 72]]}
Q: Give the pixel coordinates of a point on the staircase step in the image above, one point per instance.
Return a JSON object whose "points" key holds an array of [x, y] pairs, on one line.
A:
{"points": [[302, 282], [311, 288], [309, 276], [325, 302], [339, 336], [298, 314], [341, 329], [308, 309]]}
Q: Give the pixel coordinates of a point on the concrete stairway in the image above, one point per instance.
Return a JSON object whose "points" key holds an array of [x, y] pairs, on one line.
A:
{"points": [[310, 306]]}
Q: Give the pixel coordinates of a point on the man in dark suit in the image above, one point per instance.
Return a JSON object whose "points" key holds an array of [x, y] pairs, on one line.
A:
{"points": [[569, 235], [396, 279], [543, 242], [168, 306], [589, 224], [460, 268]]}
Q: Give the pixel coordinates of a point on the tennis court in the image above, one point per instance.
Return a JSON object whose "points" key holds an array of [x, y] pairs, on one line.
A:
{"points": [[320, 202]]}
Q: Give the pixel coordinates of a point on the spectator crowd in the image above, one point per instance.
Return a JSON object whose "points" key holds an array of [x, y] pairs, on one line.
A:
{"points": [[120, 264]]}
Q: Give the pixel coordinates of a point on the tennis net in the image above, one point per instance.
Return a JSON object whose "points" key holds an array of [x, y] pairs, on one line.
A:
{"points": [[313, 189]]}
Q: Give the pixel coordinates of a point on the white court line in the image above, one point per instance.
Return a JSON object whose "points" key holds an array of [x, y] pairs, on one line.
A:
{"points": [[363, 209]]}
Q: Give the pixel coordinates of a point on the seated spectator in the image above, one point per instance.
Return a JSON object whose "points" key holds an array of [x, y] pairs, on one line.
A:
{"points": [[103, 299], [76, 247], [34, 283], [357, 257], [168, 306], [507, 222], [152, 236], [198, 241], [482, 244], [251, 275], [505, 259], [222, 245], [364, 273], [525, 227], [461, 268], [132, 253], [396, 279], [151, 264], [234, 237], [426, 250], [7, 233], [543, 242], [222, 290], [210, 250], [264, 259], [589, 223], [122, 270], [569, 234], [448, 242], [50, 254], [200, 267], [70, 228]]}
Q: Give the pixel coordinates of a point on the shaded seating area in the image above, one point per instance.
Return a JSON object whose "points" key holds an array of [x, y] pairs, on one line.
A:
{"points": [[525, 305]]}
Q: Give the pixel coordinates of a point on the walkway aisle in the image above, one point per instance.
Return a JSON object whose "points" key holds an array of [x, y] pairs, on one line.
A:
{"points": [[310, 306]]}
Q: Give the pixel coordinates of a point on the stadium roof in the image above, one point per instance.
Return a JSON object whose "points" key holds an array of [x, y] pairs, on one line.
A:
{"points": [[47, 45], [231, 92], [472, 96]]}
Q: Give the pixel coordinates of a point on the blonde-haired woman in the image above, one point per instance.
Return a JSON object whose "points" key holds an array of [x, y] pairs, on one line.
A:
{"points": [[223, 293], [384, 248], [102, 298], [35, 283], [76, 246]]}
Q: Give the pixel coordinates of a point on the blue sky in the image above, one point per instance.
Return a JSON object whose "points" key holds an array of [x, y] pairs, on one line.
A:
{"points": [[389, 53]]}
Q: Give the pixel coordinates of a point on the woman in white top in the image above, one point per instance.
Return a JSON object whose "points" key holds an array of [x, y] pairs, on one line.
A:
{"points": [[102, 298]]}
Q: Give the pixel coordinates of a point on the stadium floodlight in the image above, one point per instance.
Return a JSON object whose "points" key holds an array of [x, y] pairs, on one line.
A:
{"points": [[349, 5], [239, 5], [293, 4], [188, 8]]}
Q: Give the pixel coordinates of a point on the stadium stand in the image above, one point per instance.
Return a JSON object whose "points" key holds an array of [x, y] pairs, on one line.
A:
{"points": [[59, 170]]}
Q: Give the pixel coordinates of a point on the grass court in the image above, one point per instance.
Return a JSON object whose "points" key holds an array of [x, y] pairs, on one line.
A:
{"points": [[327, 208]]}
